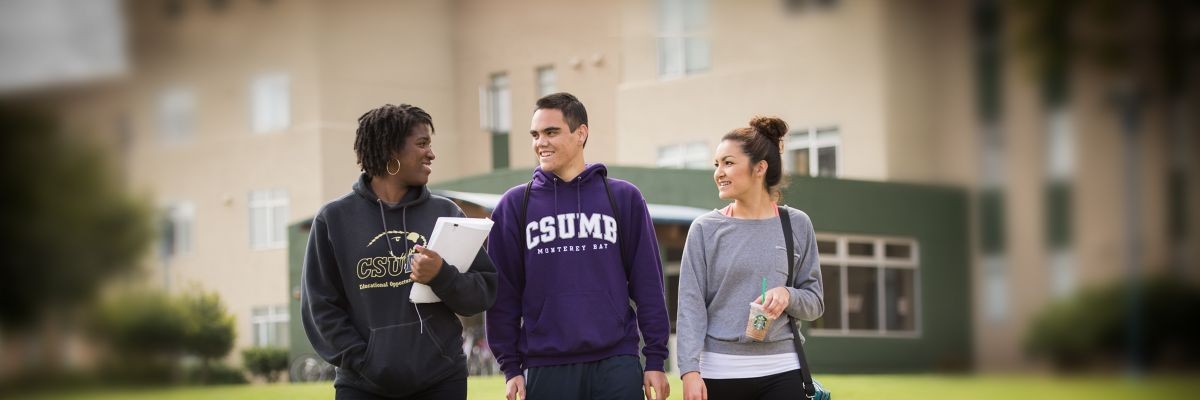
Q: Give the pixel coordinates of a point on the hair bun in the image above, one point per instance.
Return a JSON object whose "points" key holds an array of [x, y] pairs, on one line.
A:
{"points": [[771, 127]]}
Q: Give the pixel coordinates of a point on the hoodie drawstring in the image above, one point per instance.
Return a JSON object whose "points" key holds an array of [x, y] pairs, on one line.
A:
{"points": [[391, 252]]}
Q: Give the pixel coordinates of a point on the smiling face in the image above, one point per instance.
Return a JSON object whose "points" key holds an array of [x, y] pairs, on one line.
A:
{"points": [[416, 158], [733, 173], [556, 147]]}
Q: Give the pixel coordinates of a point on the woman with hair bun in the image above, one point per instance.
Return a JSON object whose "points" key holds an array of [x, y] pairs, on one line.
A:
{"points": [[734, 277]]}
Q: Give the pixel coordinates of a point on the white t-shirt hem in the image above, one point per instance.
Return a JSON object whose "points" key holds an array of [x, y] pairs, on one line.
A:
{"points": [[732, 366]]}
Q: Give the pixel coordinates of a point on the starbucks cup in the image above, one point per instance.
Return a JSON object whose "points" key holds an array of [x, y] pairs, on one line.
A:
{"points": [[758, 323]]}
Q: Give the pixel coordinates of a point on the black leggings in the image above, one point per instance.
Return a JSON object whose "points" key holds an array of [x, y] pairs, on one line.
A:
{"points": [[782, 386]]}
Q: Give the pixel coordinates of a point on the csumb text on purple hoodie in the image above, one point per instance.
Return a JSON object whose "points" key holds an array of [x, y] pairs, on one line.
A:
{"points": [[568, 271]]}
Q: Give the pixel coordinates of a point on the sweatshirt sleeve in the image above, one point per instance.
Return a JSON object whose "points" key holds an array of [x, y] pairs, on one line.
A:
{"points": [[323, 304], [644, 269], [807, 294], [692, 313], [467, 293], [503, 320]]}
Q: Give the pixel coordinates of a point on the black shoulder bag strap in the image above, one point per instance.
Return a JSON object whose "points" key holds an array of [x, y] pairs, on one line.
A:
{"points": [[524, 213], [611, 201], [810, 390]]}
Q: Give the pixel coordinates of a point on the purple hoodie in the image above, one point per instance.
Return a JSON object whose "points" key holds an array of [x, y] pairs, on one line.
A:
{"points": [[564, 285]]}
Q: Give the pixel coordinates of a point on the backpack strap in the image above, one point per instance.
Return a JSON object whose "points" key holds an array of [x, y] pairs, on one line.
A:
{"points": [[612, 201], [810, 391], [524, 213]]}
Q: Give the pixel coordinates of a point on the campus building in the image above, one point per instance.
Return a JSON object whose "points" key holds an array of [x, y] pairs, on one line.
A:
{"points": [[952, 201]]}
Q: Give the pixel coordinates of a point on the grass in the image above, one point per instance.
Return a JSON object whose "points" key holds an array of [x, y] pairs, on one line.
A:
{"points": [[844, 387]]}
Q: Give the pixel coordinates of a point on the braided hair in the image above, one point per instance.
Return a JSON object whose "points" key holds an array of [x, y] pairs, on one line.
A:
{"points": [[382, 132]]}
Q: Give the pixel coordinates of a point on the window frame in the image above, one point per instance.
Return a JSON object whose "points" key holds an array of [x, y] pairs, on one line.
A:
{"points": [[809, 140], [275, 319], [270, 103], [880, 263], [684, 156], [275, 198], [182, 217], [673, 28], [541, 74], [176, 109]]}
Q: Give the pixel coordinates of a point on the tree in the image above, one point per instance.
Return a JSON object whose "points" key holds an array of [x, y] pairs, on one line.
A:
{"points": [[67, 226], [209, 332]]}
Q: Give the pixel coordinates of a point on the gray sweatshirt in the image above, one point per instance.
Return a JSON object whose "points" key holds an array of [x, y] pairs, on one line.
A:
{"points": [[723, 264]]}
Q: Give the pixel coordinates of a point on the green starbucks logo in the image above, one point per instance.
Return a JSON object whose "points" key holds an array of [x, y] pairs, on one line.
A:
{"points": [[760, 322]]}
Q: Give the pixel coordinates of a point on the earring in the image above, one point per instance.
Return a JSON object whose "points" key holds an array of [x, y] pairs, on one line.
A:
{"points": [[389, 166]]}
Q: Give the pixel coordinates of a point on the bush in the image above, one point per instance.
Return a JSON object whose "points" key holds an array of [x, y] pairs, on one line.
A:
{"points": [[149, 332], [216, 374], [1092, 327], [142, 324], [266, 362]]}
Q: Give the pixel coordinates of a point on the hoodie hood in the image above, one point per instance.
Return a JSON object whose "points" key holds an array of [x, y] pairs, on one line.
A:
{"points": [[548, 181], [543, 178], [414, 196]]}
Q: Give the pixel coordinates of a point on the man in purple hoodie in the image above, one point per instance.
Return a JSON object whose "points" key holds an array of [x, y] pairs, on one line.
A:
{"points": [[572, 248]]}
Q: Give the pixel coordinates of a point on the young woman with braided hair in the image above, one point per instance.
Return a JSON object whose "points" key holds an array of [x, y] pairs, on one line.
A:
{"points": [[364, 252]]}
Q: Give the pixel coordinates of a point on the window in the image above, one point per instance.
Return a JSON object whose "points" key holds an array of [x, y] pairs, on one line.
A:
{"points": [[687, 155], [270, 103], [871, 286], [124, 135], [269, 326], [1060, 171], [683, 46], [218, 5], [176, 115], [813, 152], [268, 218], [547, 80], [995, 287], [799, 6], [177, 229], [173, 8], [496, 117]]}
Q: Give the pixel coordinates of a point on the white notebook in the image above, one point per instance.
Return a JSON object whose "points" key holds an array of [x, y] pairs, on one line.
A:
{"points": [[457, 240]]}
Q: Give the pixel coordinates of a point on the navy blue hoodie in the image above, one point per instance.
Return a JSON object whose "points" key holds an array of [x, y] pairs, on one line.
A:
{"points": [[568, 272], [354, 295]]}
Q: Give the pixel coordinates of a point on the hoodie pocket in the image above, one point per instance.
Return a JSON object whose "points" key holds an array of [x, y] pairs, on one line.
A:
{"points": [[576, 323], [401, 359]]}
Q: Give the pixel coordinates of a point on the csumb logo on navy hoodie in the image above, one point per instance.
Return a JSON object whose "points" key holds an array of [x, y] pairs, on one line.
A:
{"points": [[368, 269], [543, 233]]}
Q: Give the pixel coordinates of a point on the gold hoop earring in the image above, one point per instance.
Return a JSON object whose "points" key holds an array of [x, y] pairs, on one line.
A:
{"points": [[389, 166]]}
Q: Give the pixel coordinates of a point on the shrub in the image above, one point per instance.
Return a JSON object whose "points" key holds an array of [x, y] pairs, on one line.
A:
{"points": [[266, 362], [1093, 327]]}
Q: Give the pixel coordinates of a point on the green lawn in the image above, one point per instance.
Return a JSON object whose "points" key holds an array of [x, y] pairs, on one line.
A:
{"points": [[844, 387]]}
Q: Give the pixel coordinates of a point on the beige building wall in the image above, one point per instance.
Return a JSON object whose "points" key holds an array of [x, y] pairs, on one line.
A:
{"points": [[929, 92], [813, 69], [578, 38], [216, 54], [340, 59], [373, 52]]}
